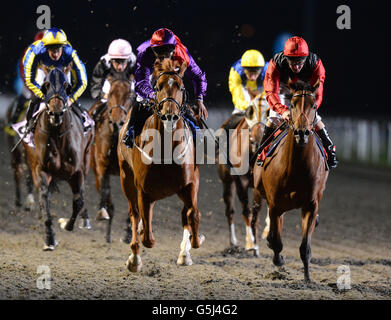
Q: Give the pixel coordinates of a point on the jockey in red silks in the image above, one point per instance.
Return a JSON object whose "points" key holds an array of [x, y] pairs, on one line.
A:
{"points": [[295, 63], [163, 44]]}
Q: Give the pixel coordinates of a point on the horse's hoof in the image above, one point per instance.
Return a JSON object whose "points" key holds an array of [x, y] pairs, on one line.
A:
{"points": [[148, 243], [184, 260], [30, 202], [108, 239], [126, 240], [50, 247], [18, 204], [85, 224], [278, 261], [102, 215], [62, 222], [253, 247], [134, 263]]}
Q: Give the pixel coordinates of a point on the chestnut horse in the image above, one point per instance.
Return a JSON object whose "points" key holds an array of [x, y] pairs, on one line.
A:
{"points": [[232, 182], [146, 178], [104, 160], [295, 176], [19, 162], [61, 152]]}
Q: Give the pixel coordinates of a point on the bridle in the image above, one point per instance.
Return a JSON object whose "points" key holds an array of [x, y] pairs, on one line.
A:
{"points": [[309, 125], [159, 104]]}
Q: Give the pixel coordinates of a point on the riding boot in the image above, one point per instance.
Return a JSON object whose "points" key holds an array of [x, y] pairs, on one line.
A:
{"points": [[266, 134], [19, 106], [330, 148], [31, 109], [129, 133]]}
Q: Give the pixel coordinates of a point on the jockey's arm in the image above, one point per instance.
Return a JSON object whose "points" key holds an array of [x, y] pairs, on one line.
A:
{"points": [[81, 76], [141, 76], [319, 73], [272, 86], [98, 77], [236, 88], [30, 64], [198, 78]]}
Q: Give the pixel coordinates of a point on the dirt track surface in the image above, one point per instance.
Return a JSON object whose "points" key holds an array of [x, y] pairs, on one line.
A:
{"points": [[354, 230]]}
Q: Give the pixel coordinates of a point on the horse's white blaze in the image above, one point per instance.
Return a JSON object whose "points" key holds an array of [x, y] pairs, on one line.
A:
{"points": [[233, 239], [250, 240], [170, 82], [134, 263], [102, 215], [267, 227], [184, 258]]}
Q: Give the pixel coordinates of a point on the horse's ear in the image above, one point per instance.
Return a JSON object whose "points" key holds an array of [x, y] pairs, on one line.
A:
{"points": [[316, 85], [68, 88], [45, 87], [183, 68], [291, 86]]}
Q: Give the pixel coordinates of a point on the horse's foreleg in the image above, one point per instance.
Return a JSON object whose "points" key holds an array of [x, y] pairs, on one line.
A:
{"points": [[308, 222], [103, 179], [192, 216], [184, 258], [77, 185], [44, 206], [30, 202], [145, 206], [242, 185], [256, 209], [228, 196], [110, 207], [274, 236], [16, 158]]}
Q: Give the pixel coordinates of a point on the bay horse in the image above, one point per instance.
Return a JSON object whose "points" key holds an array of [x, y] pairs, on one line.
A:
{"points": [[104, 160], [232, 182], [295, 175], [19, 162], [146, 179], [61, 152]]}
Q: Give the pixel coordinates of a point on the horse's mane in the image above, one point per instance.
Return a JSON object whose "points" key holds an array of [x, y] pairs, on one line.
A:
{"points": [[303, 85]]}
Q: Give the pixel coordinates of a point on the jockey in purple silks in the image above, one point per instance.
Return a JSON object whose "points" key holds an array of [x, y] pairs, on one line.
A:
{"points": [[163, 44]]}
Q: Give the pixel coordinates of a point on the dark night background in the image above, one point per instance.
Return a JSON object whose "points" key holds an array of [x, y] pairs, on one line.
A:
{"points": [[216, 34]]}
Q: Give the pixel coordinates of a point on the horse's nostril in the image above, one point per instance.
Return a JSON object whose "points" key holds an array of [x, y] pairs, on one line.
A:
{"points": [[121, 123], [175, 117], [295, 132], [164, 118], [307, 132]]}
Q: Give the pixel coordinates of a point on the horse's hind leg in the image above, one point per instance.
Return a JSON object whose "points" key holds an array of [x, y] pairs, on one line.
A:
{"points": [[274, 236], [242, 185], [30, 202], [184, 258], [308, 222], [103, 184], [228, 196], [110, 208], [15, 162], [256, 209]]}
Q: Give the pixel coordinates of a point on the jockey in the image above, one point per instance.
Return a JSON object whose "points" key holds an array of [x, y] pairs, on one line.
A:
{"points": [[26, 93], [163, 44], [52, 51], [295, 63], [117, 63], [245, 82]]}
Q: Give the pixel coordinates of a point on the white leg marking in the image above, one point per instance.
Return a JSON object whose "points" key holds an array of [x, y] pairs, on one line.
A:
{"points": [[234, 241], [184, 258]]}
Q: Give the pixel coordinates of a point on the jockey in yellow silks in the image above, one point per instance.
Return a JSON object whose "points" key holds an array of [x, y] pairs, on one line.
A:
{"points": [[245, 83]]}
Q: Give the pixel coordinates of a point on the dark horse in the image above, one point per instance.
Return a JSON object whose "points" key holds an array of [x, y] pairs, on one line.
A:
{"points": [[61, 152], [294, 176], [104, 160], [19, 163], [146, 179], [240, 144]]}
